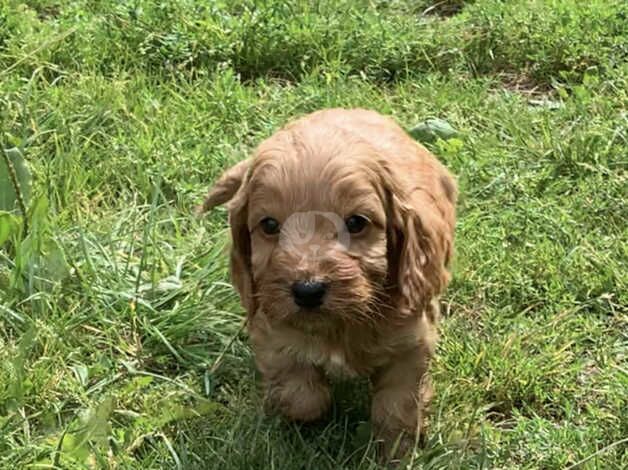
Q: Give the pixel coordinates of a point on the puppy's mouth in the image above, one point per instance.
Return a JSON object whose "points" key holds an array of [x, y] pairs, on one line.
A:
{"points": [[311, 311], [310, 314]]}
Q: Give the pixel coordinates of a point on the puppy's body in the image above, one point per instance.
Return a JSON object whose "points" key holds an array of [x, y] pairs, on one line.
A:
{"points": [[298, 217]]}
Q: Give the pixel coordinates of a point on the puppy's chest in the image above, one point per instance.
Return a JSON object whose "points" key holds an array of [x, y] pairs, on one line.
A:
{"points": [[337, 361]]}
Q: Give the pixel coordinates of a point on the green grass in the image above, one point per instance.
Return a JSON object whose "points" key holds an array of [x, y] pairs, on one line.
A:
{"points": [[116, 305]]}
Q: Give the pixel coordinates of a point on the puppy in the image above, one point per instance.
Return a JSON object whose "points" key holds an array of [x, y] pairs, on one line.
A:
{"points": [[343, 230]]}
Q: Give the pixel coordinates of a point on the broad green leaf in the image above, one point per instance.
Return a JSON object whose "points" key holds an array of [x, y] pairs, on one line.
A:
{"points": [[75, 447], [9, 225], [8, 198], [431, 130], [54, 265], [39, 259], [20, 382], [81, 372], [96, 425], [38, 215]]}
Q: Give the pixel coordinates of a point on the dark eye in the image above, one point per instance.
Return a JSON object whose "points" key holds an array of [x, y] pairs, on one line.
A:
{"points": [[356, 223], [270, 226]]}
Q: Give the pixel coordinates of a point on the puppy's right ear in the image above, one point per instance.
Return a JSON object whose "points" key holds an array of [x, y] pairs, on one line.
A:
{"points": [[226, 187], [232, 186], [241, 268]]}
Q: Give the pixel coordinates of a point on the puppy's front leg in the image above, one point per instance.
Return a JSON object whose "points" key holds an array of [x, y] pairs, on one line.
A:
{"points": [[401, 391], [298, 391]]}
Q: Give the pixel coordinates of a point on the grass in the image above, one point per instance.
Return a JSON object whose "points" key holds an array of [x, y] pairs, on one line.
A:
{"points": [[115, 305]]}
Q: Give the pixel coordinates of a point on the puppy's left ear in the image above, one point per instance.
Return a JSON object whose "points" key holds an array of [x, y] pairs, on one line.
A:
{"points": [[421, 234]]}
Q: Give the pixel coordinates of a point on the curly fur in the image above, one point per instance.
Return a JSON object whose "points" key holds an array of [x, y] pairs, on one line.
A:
{"points": [[380, 315]]}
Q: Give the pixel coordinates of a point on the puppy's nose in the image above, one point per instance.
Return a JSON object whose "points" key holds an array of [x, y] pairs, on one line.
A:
{"points": [[308, 294]]}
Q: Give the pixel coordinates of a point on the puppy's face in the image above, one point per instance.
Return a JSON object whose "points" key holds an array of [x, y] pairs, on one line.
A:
{"points": [[340, 217], [317, 233]]}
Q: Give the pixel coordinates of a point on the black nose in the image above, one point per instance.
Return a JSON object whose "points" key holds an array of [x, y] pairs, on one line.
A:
{"points": [[308, 294]]}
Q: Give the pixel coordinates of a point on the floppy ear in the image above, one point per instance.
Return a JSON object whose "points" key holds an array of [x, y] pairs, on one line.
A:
{"points": [[232, 186], [241, 270], [421, 232], [226, 187]]}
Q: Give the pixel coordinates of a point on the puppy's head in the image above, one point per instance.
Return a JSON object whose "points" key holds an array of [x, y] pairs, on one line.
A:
{"points": [[324, 231]]}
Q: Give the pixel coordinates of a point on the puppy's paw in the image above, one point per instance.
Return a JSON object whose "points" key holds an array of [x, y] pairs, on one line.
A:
{"points": [[299, 400], [395, 448]]}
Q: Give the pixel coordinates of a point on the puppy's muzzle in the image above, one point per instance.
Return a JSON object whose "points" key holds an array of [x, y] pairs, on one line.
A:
{"points": [[309, 294]]}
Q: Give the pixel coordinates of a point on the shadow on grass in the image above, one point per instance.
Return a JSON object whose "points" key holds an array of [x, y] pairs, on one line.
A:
{"points": [[240, 436]]}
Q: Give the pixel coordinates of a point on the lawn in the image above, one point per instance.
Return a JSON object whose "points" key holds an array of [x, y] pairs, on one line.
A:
{"points": [[120, 336]]}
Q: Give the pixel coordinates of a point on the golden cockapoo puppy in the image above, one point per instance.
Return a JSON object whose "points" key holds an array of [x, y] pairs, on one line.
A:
{"points": [[342, 230]]}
